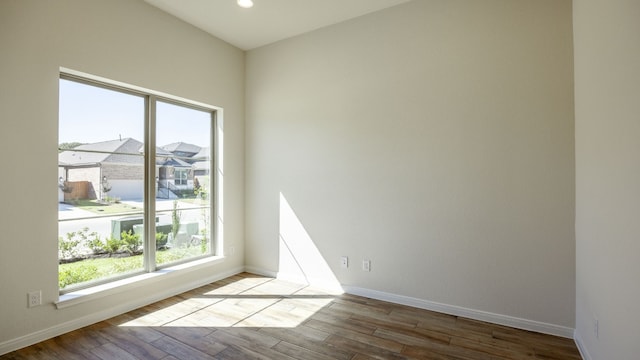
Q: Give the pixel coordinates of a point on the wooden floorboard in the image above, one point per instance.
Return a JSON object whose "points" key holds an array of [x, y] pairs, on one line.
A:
{"points": [[253, 317]]}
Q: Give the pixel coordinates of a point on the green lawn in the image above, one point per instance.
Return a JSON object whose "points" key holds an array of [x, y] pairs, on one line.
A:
{"points": [[101, 268], [96, 207]]}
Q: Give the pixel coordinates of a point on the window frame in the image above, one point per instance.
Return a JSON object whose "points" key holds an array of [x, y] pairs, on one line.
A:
{"points": [[181, 181], [151, 98]]}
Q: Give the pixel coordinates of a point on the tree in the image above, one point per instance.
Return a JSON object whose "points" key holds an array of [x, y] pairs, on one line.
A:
{"points": [[175, 219], [68, 145]]}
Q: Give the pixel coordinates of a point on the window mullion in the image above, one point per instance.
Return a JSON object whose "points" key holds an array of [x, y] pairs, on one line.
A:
{"points": [[112, 147], [216, 185], [150, 184]]}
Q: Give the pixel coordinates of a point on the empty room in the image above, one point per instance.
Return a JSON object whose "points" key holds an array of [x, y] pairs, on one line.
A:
{"points": [[320, 179]]}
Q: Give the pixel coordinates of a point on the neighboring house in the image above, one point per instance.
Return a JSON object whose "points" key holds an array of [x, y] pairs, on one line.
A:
{"points": [[178, 172], [119, 165], [182, 150], [175, 177], [202, 163]]}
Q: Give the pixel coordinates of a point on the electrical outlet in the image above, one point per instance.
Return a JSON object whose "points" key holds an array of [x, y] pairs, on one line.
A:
{"points": [[232, 250], [366, 265], [344, 262], [596, 326], [34, 298]]}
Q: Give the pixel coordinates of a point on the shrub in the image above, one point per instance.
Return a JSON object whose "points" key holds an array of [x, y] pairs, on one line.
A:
{"points": [[203, 244], [96, 245], [161, 240], [175, 219], [68, 247], [131, 242], [113, 245], [78, 243], [196, 186], [200, 190]]}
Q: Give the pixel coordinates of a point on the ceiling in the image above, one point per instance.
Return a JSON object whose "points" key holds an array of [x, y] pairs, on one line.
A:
{"points": [[267, 21]]}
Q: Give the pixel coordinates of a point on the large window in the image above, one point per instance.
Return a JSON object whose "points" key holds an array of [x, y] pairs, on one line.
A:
{"points": [[135, 182]]}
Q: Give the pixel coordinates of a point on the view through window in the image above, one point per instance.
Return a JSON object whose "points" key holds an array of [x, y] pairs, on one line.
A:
{"points": [[107, 174]]}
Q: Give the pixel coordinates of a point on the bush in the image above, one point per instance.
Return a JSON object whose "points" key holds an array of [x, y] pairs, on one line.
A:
{"points": [[68, 247], [175, 219], [78, 243], [161, 240], [96, 245], [113, 245], [131, 242]]}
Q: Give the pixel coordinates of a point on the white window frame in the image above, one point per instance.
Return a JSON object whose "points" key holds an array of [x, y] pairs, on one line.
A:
{"points": [[116, 284]]}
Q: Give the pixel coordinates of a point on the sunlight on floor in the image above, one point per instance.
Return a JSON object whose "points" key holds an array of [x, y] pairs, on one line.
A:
{"points": [[250, 301], [254, 301]]}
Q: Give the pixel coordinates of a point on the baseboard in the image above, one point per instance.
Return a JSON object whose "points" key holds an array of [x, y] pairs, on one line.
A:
{"points": [[494, 318], [259, 271], [515, 322], [531, 325], [580, 344], [41, 335]]}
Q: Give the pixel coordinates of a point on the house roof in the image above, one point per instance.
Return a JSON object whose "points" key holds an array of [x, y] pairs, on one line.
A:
{"points": [[159, 151], [203, 154], [162, 152], [202, 165], [182, 147], [96, 153], [176, 163], [101, 152]]}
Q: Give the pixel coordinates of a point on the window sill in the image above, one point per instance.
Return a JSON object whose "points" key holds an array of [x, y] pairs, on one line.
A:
{"points": [[115, 287]]}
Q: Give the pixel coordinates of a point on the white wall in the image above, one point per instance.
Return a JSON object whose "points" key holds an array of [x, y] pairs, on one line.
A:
{"points": [[607, 92], [123, 40], [434, 138]]}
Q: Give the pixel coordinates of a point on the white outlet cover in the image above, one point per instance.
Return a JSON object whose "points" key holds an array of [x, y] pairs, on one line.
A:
{"points": [[344, 262], [34, 298], [366, 265]]}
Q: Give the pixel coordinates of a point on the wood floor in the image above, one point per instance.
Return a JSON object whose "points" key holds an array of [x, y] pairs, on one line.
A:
{"points": [[253, 317]]}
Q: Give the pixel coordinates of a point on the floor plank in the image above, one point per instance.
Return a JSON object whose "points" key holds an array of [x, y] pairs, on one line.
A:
{"points": [[253, 317]]}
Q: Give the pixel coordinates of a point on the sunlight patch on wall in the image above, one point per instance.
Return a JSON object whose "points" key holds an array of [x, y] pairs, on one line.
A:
{"points": [[300, 260]]}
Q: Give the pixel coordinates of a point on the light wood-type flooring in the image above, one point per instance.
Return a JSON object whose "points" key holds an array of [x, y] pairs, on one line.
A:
{"points": [[253, 317]]}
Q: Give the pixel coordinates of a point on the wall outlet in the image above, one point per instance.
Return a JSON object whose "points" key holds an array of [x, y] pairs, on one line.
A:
{"points": [[232, 250], [366, 265], [34, 298], [344, 262], [596, 326]]}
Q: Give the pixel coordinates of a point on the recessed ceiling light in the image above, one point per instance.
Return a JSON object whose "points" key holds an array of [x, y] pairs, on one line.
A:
{"points": [[245, 3]]}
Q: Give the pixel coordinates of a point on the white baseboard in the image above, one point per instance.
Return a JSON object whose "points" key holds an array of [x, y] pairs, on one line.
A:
{"points": [[331, 286], [580, 344], [41, 335], [259, 271], [494, 318]]}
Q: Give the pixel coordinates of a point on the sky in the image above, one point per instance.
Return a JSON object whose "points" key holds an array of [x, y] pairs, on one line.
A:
{"points": [[91, 114]]}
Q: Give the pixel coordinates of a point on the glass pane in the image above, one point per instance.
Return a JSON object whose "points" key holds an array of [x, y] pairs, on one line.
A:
{"points": [[183, 163], [101, 184]]}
